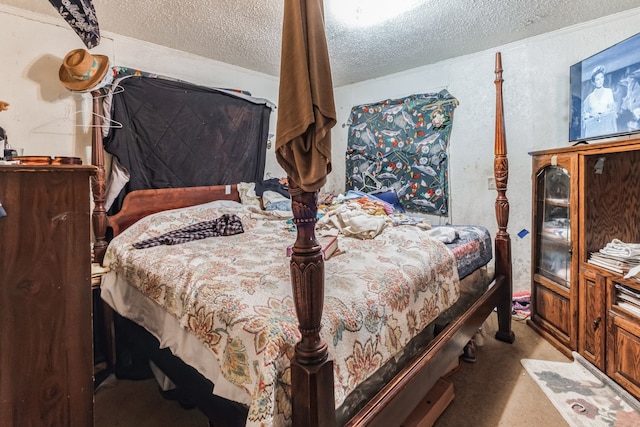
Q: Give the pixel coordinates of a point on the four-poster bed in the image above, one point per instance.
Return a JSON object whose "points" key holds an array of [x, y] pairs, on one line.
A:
{"points": [[312, 371], [260, 344]]}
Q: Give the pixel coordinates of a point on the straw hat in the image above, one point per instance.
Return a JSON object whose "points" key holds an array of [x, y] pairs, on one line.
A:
{"points": [[81, 70]]}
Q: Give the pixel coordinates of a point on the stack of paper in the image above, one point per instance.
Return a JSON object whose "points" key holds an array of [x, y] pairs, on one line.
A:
{"points": [[628, 298], [617, 256]]}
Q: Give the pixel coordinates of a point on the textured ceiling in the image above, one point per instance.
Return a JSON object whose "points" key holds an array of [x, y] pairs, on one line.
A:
{"points": [[247, 33]]}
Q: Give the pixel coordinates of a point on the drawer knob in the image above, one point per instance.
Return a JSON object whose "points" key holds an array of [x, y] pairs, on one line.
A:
{"points": [[596, 323]]}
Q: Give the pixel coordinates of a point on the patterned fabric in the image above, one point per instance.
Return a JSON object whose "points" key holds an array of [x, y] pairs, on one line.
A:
{"points": [[584, 395], [472, 248], [226, 225], [237, 300], [471, 288], [402, 144], [81, 16]]}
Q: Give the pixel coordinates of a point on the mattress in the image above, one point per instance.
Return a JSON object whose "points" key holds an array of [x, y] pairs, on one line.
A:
{"points": [[223, 304]]}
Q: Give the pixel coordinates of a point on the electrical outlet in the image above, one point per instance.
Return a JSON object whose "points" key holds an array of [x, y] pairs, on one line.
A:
{"points": [[491, 183]]}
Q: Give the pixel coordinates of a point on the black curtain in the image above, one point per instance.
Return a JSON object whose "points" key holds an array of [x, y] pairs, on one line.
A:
{"points": [[176, 134]]}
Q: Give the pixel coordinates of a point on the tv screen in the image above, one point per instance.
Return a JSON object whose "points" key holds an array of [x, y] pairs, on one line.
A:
{"points": [[605, 92]]}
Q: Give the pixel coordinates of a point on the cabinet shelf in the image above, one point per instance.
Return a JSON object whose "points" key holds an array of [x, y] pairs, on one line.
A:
{"points": [[554, 284], [557, 202], [627, 308], [554, 238]]}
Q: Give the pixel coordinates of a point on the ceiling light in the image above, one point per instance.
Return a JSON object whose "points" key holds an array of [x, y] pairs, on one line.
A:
{"points": [[368, 13]]}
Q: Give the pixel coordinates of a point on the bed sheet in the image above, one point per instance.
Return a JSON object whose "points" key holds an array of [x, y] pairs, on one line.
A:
{"points": [[233, 294]]}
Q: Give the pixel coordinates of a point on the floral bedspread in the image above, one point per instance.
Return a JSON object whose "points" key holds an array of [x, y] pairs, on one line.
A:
{"points": [[234, 293]]}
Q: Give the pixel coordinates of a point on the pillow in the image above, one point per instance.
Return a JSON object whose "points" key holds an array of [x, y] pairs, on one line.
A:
{"points": [[247, 191]]}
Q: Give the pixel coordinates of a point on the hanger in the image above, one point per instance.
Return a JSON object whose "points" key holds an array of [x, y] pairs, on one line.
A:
{"points": [[87, 108], [64, 124], [116, 89]]}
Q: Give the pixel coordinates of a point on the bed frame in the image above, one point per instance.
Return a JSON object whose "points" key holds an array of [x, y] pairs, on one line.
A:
{"points": [[312, 366]]}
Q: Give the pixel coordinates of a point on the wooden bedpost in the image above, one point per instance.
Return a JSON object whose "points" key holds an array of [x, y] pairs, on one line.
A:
{"points": [[312, 367], [98, 181], [502, 240]]}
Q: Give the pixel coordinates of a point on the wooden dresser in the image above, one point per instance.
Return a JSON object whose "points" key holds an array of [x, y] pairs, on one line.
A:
{"points": [[46, 366], [583, 198]]}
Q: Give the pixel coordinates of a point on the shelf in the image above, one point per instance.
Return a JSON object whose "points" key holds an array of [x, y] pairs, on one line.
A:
{"points": [[554, 241], [616, 277], [554, 283], [557, 202], [627, 310], [629, 283]]}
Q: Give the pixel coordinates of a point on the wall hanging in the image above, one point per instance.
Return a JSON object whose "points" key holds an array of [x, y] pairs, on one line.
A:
{"points": [[401, 145]]}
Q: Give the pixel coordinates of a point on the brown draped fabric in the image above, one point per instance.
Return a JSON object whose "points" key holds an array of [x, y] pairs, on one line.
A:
{"points": [[306, 110]]}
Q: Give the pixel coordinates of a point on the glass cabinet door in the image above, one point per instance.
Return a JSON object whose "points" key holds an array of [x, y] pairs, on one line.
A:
{"points": [[553, 226]]}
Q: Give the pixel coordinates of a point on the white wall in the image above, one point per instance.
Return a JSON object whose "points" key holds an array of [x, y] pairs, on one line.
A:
{"points": [[42, 116], [536, 104]]}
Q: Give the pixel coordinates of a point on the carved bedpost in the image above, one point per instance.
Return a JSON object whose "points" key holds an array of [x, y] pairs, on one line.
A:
{"points": [[502, 240], [312, 367], [98, 182]]}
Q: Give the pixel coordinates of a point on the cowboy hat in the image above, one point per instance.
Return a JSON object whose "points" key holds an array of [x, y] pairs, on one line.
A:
{"points": [[80, 70]]}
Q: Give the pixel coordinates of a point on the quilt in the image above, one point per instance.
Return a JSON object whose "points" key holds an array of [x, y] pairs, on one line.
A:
{"points": [[472, 248], [234, 294]]}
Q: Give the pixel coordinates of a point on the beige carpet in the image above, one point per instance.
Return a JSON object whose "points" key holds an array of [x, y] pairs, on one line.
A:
{"points": [[494, 391]]}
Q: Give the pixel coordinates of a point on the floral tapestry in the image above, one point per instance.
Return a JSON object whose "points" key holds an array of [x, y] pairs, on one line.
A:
{"points": [[402, 145]]}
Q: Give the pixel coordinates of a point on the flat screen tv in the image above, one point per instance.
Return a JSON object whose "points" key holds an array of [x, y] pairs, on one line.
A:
{"points": [[605, 93]]}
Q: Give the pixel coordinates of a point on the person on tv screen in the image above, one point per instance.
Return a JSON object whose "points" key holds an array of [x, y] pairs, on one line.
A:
{"points": [[599, 108], [629, 120], [629, 113]]}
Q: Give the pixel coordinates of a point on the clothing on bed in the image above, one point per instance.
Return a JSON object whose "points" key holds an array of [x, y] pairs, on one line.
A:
{"points": [[226, 225], [177, 134], [238, 303], [272, 184]]}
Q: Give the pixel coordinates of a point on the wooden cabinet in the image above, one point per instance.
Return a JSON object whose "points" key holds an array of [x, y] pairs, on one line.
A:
{"points": [[555, 292], [592, 317], [575, 304], [623, 335], [45, 297]]}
